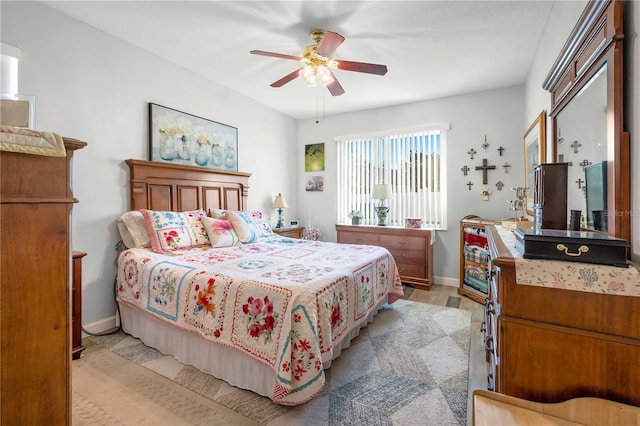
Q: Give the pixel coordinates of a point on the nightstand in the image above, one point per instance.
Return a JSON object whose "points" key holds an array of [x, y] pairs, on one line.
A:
{"points": [[292, 232], [76, 305]]}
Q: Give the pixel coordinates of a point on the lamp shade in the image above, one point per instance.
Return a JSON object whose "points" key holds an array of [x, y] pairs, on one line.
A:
{"points": [[381, 191], [279, 203]]}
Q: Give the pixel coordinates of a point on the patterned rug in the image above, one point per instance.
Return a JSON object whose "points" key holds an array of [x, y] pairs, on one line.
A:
{"points": [[408, 367]]}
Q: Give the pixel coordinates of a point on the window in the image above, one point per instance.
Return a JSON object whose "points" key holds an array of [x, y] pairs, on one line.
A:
{"points": [[413, 162]]}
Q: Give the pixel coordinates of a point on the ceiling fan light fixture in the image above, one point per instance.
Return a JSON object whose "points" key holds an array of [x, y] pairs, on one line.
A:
{"points": [[313, 75]]}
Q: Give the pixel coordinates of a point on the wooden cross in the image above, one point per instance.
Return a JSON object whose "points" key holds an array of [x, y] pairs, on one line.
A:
{"points": [[499, 185], [575, 146], [485, 168], [501, 149], [465, 169], [472, 152], [506, 167], [584, 163], [469, 184], [579, 182]]}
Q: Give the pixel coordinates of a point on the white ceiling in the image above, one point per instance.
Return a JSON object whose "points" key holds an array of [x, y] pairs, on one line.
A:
{"points": [[432, 49]]}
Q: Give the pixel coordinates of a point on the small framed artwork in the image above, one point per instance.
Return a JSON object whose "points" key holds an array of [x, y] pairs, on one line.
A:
{"points": [[18, 111], [315, 183], [314, 157], [293, 223], [413, 222], [181, 138]]}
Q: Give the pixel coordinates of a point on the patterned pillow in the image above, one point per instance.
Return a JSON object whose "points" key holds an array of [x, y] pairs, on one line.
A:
{"points": [[261, 221], [244, 226], [221, 232], [170, 231], [195, 221], [219, 214]]}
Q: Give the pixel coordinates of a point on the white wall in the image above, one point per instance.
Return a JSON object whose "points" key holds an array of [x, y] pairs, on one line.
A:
{"points": [[496, 113], [94, 87]]}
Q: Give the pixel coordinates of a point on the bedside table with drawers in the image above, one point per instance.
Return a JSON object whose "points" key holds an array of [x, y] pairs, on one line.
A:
{"points": [[291, 232]]}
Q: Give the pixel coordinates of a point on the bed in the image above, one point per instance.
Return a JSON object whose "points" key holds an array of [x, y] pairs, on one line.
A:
{"points": [[269, 315]]}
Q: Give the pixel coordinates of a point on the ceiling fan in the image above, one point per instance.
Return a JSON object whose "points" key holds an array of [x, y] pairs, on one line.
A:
{"points": [[318, 63]]}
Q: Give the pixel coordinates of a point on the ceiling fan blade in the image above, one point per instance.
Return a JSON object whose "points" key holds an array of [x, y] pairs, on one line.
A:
{"points": [[335, 88], [275, 55], [287, 78], [362, 67], [329, 44]]}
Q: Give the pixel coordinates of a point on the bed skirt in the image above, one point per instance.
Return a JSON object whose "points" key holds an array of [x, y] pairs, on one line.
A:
{"points": [[220, 361]]}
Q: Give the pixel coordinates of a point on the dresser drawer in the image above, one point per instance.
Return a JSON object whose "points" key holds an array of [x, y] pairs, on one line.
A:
{"points": [[403, 242], [411, 270], [408, 256], [357, 238]]}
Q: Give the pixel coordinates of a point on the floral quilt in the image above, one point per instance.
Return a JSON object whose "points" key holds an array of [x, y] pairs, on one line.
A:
{"points": [[285, 302]]}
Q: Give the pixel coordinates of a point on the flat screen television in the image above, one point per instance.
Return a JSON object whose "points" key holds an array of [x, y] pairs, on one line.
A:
{"points": [[595, 176]]}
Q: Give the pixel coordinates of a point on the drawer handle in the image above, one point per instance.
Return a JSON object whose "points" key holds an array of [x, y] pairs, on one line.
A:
{"points": [[581, 249], [402, 242]]}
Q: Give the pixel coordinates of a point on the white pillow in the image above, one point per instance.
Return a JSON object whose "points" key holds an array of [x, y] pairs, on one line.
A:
{"points": [[221, 232], [136, 235]]}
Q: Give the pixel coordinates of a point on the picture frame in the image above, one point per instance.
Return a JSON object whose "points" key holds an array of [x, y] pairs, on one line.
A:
{"points": [[182, 138], [314, 157], [18, 111], [315, 184], [535, 143]]}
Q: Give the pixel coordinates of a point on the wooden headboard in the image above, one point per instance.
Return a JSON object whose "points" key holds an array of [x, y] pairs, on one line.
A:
{"points": [[173, 187]]}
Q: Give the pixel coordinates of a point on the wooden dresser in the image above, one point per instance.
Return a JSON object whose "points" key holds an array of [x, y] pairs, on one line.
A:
{"points": [[35, 259], [411, 249], [549, 344]]}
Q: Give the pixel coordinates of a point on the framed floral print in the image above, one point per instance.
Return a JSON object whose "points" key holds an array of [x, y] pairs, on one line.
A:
{"points": [[181, 138]]}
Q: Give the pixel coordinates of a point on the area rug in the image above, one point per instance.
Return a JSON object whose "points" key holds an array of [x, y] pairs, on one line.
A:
{"points": [[408, 367]]}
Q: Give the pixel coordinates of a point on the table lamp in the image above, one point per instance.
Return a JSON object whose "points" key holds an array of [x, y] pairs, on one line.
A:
{"points": [[280, 203], [382, 192]]}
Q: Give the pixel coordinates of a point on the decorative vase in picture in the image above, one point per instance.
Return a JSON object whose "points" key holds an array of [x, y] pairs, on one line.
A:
{"points": [[167, 146], [216, 155], [184, 147], [201, 154], [229, 157]]}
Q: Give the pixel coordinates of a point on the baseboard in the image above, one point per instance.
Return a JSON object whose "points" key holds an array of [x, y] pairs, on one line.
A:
{"points": [[450, 282], [101, 326]]}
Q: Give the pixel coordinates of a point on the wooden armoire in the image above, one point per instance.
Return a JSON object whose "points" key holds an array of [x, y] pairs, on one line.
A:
{"points": [[35, 277]]}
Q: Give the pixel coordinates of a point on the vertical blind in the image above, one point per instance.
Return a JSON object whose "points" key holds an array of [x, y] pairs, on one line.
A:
{"points": [[413, 162]]}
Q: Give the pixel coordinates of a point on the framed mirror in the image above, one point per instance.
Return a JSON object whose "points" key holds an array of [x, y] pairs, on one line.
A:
{"points": [[535, 142], [587, 129]]}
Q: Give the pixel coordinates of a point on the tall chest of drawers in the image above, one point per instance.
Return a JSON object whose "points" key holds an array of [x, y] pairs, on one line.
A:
{"points": [[411, 249]]}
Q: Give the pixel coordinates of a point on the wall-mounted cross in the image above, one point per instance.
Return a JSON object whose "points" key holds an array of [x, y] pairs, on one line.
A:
{"points": [[485, 145], [472, 152], [501, 149], [465, 169], [499, 185], [584, 163], [506, 167], [485, 168], [575, 145], [469, 184], [579, 182]]}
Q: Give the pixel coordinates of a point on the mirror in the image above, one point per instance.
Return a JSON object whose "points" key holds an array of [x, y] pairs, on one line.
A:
{"points": [[586, 87], [581, 141], [535, 142]]}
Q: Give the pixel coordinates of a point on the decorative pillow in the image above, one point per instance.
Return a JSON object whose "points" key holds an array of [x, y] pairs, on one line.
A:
{"points": [[219, 214], [221, 232], [133, 230], [169, 231], [244, 226], [260, 220], [195, 221]]}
